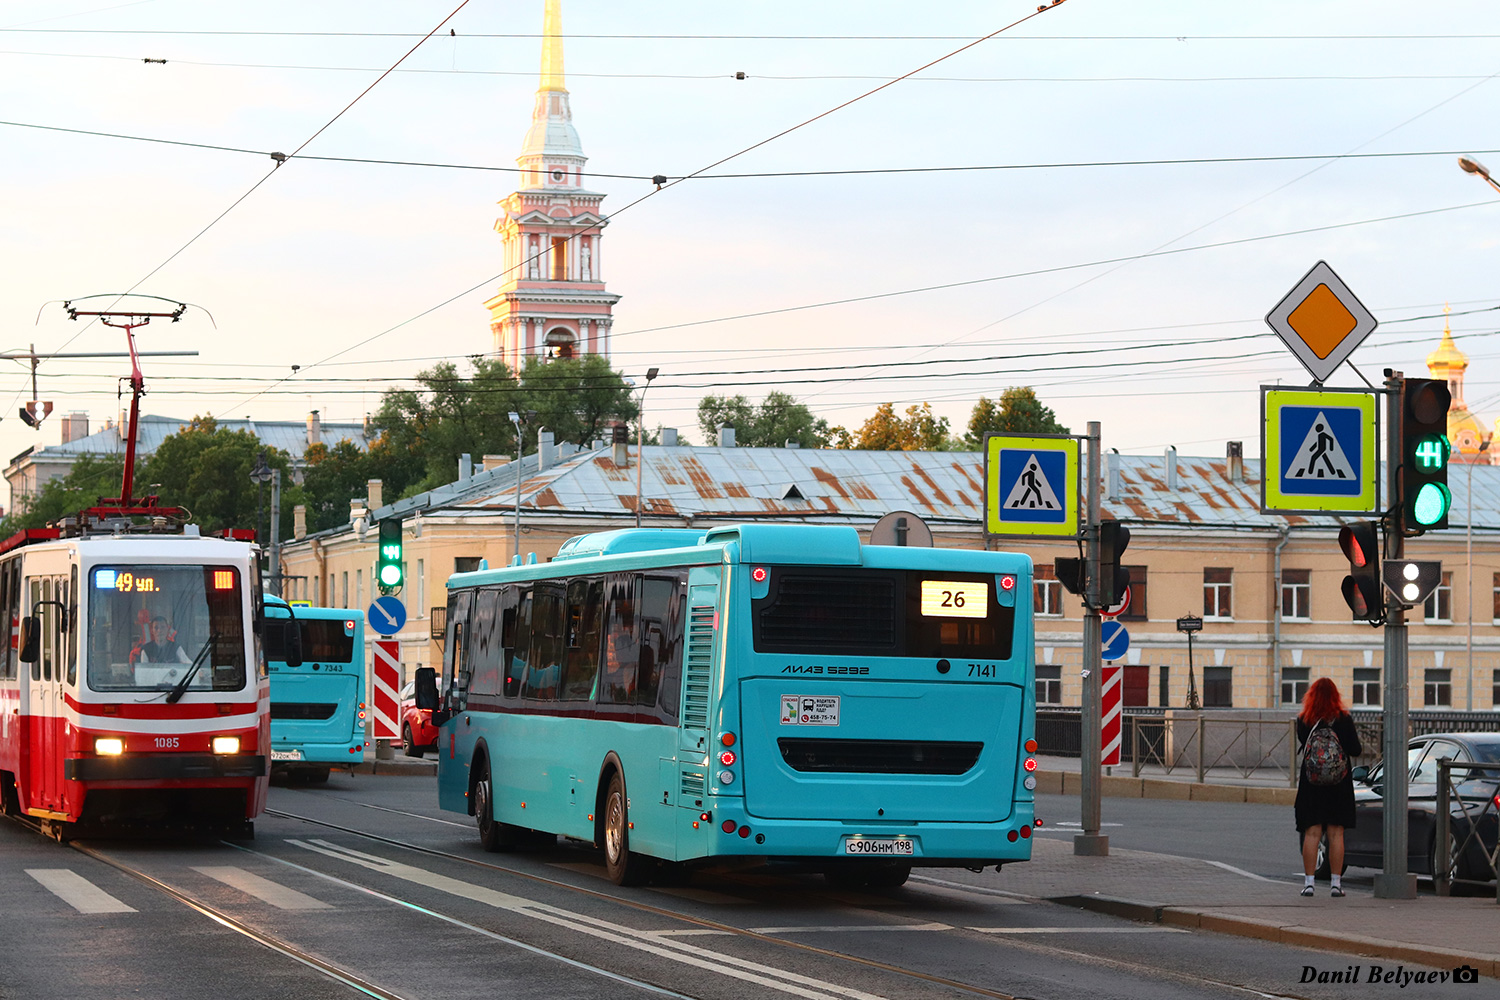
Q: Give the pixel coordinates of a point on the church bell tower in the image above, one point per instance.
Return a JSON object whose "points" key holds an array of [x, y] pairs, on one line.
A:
{"points": [[551, 301]]}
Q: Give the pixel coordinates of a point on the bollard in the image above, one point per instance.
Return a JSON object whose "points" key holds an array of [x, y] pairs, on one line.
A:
{"points": [[384, 750]]}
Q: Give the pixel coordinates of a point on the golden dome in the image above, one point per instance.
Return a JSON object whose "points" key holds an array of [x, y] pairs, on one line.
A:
{"points": [[1447, 357]]}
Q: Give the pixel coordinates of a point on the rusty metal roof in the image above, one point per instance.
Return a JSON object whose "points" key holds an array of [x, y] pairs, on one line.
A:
{"points": [[858, 486]]}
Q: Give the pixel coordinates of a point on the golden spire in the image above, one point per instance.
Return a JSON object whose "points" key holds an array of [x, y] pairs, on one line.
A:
{"points": [[1447, 357], [552, 48]]}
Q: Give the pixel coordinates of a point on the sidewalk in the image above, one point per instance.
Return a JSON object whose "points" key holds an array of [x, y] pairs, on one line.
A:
{"points": [[1441, 932], [398, 764]]}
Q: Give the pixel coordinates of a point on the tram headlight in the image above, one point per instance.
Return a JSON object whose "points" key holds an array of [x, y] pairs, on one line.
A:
{"points": [[109, 746], [226, 744]]}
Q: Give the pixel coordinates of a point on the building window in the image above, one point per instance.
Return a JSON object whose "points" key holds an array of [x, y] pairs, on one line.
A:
{"points": [[345, 602], [1366, 686], [1048, 684], [1294, 681], [1437, 687], [1495, 691], [465, 564], [1296, 595], [1216, 584], [559, 258], [1218, 686], [1047, 601], [1164, 686], [1137, 610], [1496, 594], [359, 588], [1439, 604], [420, 611]]}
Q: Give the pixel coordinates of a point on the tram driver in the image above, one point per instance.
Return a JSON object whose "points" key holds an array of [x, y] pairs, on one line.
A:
{"points": [[162, 648]]}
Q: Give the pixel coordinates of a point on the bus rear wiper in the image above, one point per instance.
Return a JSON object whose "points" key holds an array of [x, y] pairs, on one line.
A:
{"points": [[178, 691]]}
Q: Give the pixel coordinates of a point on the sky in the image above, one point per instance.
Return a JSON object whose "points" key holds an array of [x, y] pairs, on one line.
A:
{"points": [[1131, 293]]}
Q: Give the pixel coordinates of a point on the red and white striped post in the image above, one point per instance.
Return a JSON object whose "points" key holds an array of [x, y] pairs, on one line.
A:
{"points": [[1110, 717], [387, 683]]}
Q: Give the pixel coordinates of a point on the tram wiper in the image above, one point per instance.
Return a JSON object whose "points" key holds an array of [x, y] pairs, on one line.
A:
{"points": [[181, 688]]}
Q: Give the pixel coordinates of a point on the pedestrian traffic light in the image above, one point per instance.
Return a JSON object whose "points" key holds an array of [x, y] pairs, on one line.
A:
{"points": [[1411, 580], [1114, 579], [388, 569], [1069, 572], [1361, 543], [1425, 498]]}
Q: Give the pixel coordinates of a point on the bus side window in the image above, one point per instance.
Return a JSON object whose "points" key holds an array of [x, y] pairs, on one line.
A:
{"points": [[520, 642], [455, 651], [484, 645], [621, 647], [548, 641], [669, 689], [657, 596], [585, 616]]}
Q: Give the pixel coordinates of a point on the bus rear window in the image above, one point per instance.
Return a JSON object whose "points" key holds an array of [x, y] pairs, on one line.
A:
{"points": [[883, 613], [323, 641]]}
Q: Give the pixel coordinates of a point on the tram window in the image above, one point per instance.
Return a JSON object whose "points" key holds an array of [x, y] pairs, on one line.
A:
{"points": [[70, 601], [548, 625], [7, 655], [585, 616], [48, 614], [36, 597]]}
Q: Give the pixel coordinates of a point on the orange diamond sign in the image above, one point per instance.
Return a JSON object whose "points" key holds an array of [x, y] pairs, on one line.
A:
{"points": [[1321, 321]]}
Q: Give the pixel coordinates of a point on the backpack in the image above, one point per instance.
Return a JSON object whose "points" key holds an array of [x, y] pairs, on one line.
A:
{"points": [[1323, 758]]}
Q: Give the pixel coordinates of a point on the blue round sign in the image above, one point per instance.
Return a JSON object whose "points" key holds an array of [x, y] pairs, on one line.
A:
{"points": [[1114, 640], [387, 615]]}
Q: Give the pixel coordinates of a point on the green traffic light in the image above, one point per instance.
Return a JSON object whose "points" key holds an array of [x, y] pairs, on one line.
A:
{"points": [[390, 574], [1431, 453], [1432, 503]]}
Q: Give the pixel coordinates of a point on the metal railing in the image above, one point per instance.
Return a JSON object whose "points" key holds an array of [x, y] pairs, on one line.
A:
{"points": [[1449, 852], [1205, 743]]}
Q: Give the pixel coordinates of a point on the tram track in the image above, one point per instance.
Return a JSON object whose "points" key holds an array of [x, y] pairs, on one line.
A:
{"points": [[705, 923]]}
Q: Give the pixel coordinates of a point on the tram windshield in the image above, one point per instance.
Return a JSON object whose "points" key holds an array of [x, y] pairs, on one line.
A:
{"points": [[149, 625]]}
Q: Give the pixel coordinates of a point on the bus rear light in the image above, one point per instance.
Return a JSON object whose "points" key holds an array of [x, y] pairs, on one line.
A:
{"points": [[1037, 822], [744, 832], [109, 746], [1007, 582], [727, 757], [695, 824], [705, 816], [355, 749], [727, 739], [1029, 783], [1025, 832], [1011, 836], [349, 626], [728, 826], [361, 715], [226, 744], [726, 777], [1030, 744], [759, 574], [1030, 764]]}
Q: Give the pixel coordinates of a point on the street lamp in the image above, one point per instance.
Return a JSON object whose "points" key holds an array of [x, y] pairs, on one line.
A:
{"points": [[640, 442], [515, 547], [1469, 565], [1473, 166]]}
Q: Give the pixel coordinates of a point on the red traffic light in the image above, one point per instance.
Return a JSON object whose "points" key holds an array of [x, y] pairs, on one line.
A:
{"points": [[1360, 544], [1361, 588]]}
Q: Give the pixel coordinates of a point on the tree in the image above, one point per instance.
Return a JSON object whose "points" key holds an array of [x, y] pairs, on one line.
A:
{"points": [[91, 479], [1017, 412], [778, 419], [575, 398], [206, 468], [334, 476], [919, 430]]}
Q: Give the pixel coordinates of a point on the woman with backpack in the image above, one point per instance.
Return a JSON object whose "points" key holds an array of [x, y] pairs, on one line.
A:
{"points": [[1325, 789]]}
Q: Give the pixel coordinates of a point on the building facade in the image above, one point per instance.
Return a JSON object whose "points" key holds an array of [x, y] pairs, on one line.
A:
{"points": [[552, 301]]}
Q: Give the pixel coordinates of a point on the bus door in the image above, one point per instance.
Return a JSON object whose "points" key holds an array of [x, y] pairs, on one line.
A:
{"points": [[45, 740], [456, 737]]}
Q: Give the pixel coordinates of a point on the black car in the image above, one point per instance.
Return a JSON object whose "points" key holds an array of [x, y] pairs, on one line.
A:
{"points": [[1480, 790]]}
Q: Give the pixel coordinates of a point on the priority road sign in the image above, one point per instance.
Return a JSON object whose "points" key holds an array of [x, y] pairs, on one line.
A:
{"points": [[1031, 485], [1114, 641], [1318, 448], [1321, 321]]}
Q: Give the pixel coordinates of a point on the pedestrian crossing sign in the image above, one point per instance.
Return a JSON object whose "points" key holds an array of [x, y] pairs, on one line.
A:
{"points": [[1318, 447], [1031, 485]]}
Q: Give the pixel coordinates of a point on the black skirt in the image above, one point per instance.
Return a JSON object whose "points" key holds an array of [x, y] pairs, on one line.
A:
{"points": [[1327, 805]]}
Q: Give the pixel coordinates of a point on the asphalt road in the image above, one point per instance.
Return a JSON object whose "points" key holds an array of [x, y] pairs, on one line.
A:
{"points": [[425, 913]]}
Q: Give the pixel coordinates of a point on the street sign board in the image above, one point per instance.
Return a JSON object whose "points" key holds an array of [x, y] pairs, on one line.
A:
{"points": [[1119, 608], [387, 615], [901, 527], [1190, 624], [1321, 321], [1114, 641], [1031, 485], [1110, 709], [1318, 450]]}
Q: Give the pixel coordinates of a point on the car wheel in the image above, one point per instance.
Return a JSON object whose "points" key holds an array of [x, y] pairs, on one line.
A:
{"points": [[623, 866], [408, 744]]}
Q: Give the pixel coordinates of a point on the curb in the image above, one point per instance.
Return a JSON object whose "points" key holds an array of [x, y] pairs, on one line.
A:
{"points": [[1070, 783], [1296, 935], [412, 766]]}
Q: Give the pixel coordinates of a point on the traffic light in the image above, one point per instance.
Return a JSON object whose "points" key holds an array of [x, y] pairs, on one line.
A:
{"points": [[1114, 579], [1411, 580], [1361, 543], [388, 569], [1425, 498], [1069, 572]]}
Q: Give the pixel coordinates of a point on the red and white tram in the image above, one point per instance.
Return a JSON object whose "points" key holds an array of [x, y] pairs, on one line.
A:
{"points": [[133, 691]]}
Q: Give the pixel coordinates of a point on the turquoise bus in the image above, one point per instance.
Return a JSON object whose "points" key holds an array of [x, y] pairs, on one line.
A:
{"points": [[761, 692], [318, 708]]}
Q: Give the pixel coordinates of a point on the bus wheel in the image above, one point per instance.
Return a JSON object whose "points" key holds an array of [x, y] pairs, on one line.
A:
{"points": [[890, 876], [493, 836], [623, 866], [408, 745], [318, 776], [863, 874]]}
